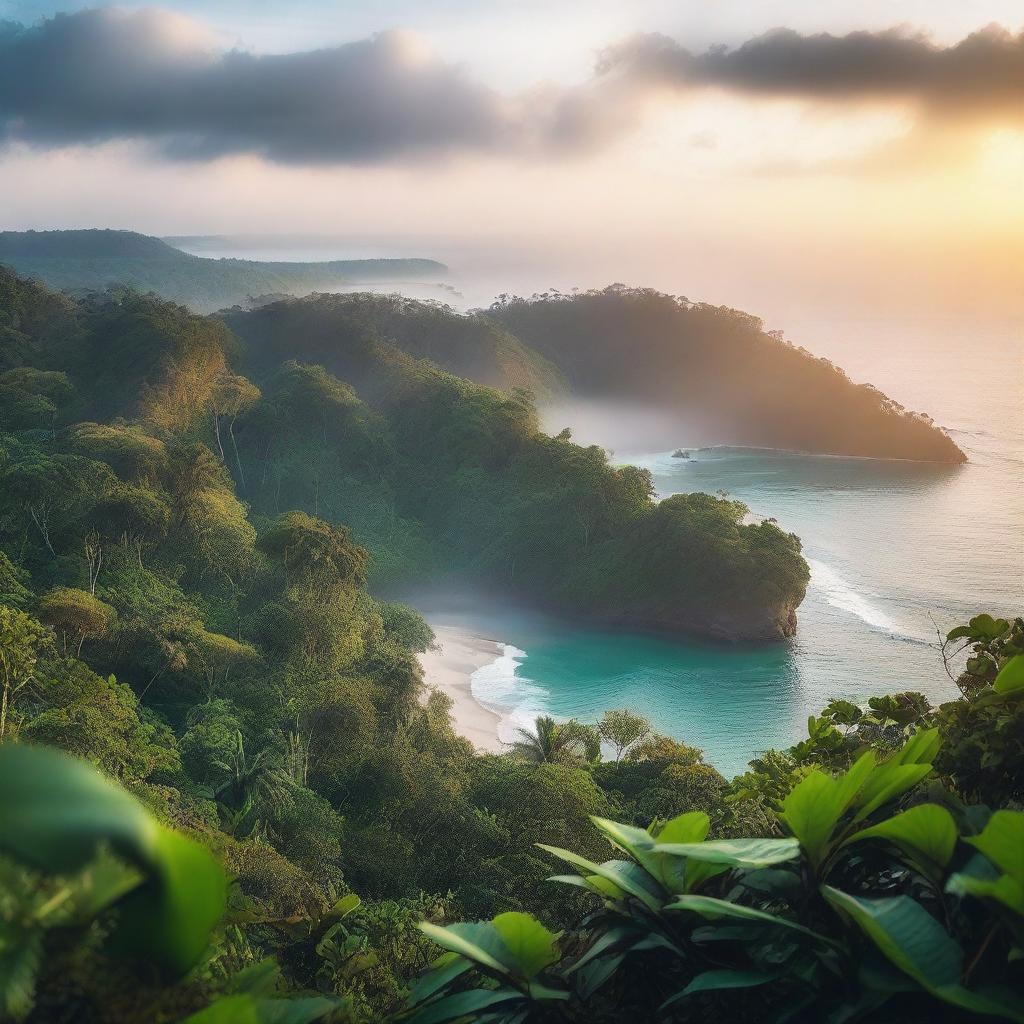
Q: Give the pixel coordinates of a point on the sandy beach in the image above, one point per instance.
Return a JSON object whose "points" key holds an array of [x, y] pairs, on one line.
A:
{"points": [[449, 667]]}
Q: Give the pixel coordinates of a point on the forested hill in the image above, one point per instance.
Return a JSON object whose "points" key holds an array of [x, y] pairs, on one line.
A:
{"points": [[729, 380], [336, 331], [94, 259], [132, 423]]}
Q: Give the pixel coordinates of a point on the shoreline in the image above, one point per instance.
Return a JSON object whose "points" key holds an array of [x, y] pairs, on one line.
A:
{"points": [[448, 667]]}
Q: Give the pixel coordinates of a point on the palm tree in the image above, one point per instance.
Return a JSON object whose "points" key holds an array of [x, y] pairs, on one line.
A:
{"points": [[252, 780], [554, 742]]}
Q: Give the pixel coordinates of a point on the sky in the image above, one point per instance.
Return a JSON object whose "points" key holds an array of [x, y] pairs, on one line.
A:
{"points": [[780, 156]]}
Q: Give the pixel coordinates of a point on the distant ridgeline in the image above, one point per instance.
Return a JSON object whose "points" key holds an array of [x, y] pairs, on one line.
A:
{"points": [[183, 438], [94, 259], [712, 366]]}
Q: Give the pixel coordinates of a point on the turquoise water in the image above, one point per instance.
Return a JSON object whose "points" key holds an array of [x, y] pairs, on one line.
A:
{"points": [[897, 550]]}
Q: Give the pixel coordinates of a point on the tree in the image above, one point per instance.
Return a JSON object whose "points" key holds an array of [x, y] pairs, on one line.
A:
{"points": [[22, 639], [554, 742], [622, 729], [76, 615], [135, 516], [248, 779], [232, 396], [215, 655], [13, 578], [312, 551], [53, 490], [129, 450], [31, 398], [655, 747]]}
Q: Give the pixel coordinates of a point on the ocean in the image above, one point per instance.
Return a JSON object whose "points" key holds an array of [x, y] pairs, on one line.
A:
{"points": [[899, 552]]}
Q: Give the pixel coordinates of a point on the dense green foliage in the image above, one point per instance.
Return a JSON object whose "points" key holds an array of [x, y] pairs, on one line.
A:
{"points": [[186, 547], [339, 331], [93, 259], [434, 473], [719, 370], [155, 438], [878, 894]]}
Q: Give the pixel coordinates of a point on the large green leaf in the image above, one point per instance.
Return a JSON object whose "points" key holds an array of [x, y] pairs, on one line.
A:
{"points": [[445, 969], [596, 972], [592, 883], [627, 838], [626, 876], [1004, 889], [921, 748], [668, 870], [532, 946], [1002, 842], [636, 842], [56, 813], [927, 833], [906, 933], [713, 981], [677, 874], [898, 773], [739, 853], [463, 1004], [171, 915], [248, 1009], [478, 941], [712, 908], [1010, 678], [814, 806], [888, 782], [691, 827], [610, 940], [913, 941]]}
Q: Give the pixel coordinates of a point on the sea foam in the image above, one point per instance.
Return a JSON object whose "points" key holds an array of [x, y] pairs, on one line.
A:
{"points": [[498, 687], [840, 594]]}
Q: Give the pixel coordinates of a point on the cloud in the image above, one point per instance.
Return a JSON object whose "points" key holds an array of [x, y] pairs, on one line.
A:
{"points": [[156, 77], [106, 74], [984, 73]]}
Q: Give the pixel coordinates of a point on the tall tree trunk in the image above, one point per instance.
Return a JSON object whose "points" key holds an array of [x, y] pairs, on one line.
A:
{"points": [[238, 458], [216, 432]]}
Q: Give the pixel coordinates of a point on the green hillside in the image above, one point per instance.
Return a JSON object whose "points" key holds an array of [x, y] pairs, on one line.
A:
{"points": [[720, 371], [335, 331]]}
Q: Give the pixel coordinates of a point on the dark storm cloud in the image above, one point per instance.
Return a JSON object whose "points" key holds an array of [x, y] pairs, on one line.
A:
{"points": [[107, 74], [984, 72], [151, 76]]}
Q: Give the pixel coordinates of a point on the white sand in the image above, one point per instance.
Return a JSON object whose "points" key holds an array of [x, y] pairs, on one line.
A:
{"points": [[449, 667]]}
